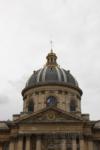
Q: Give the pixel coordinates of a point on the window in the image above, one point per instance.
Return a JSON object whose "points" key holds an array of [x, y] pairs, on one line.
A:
{"points": [[51, 101], [73, 105], [31, 106]]}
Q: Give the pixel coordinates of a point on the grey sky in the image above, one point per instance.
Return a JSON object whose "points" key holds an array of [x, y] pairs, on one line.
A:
{"points": [[27, 26]]}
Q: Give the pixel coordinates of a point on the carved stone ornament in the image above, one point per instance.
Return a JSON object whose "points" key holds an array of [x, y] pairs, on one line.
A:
{"points": [[51, 115]]}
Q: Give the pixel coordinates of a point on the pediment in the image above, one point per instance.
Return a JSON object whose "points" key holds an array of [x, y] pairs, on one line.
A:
{"points": [[50, 115]]}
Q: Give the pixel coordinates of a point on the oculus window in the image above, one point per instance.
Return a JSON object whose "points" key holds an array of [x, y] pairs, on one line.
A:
{"points": [[51, 101]]}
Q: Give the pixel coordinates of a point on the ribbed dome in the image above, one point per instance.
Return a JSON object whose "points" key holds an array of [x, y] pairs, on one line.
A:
{"points": [[51, 74]]}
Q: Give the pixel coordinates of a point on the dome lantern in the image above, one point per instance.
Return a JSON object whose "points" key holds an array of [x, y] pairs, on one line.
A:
{"points": [[51, 59]]}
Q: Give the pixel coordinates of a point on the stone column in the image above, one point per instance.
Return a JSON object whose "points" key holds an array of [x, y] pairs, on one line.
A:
{"points": [[63, 144], [82, 144], [74, 144], [38, 143], [90, 145], [11, 144], [28, 143], [20, 143]]}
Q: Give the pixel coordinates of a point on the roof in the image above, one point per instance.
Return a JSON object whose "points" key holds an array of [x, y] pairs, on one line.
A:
{"points": [[51, 73], [3, 126]]}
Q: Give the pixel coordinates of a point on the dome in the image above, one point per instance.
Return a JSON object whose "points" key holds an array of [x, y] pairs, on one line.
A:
{"points": [[51, 74]]}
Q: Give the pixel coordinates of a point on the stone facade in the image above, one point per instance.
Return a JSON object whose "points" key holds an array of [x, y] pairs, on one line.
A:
{"points": [[64, 96], [51, 118]]}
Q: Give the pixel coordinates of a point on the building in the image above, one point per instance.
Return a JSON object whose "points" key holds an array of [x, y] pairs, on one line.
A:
{"points": [[51, 118]]}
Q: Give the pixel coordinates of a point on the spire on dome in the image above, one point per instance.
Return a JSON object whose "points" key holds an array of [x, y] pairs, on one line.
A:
{"points": [[51, 42]]}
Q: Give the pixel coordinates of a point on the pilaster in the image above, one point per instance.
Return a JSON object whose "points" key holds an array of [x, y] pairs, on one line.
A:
{"points": [[63, 144], [90, 145], [74, 144], [38, 143], [11, 144], [20, 143], [27, 142], [82, 144]]}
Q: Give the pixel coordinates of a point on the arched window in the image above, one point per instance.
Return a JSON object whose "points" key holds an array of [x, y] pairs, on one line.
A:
{"points": [[73, 105], [51, 101], [31, 106]]}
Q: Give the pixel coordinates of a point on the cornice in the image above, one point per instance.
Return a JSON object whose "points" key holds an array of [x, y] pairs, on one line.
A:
{"points": [[53, 84]]}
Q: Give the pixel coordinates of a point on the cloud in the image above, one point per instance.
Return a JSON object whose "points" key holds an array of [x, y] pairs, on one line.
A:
{"points": [[26, 27], [4, 99], [18, 84]]}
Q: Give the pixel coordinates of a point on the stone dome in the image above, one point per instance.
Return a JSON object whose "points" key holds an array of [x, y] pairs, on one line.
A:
{"points": [[51, 74]]}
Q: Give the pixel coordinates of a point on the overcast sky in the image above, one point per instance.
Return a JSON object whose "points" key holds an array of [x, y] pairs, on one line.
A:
{"points": [[26, 28]]}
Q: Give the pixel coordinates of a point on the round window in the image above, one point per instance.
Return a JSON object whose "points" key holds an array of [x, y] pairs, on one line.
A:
{"points": [[51, 101]]}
